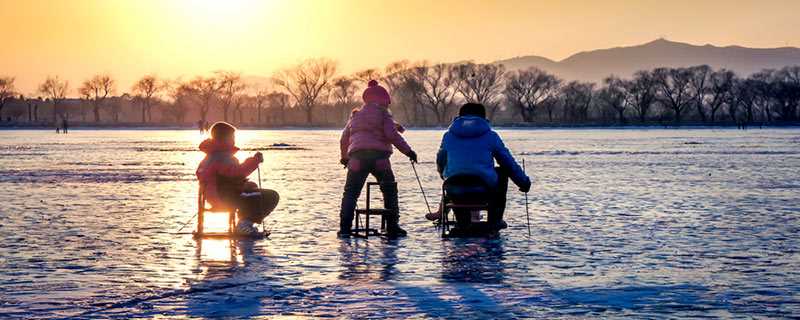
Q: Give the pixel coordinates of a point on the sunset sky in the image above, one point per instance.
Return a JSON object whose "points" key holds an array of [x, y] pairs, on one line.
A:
{"points": [[78, 38]]}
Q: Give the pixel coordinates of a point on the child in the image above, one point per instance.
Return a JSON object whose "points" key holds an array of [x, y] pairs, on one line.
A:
{"points": [[225, 180], [366, 145]]}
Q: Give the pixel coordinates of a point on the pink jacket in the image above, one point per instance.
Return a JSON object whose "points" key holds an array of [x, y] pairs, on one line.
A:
{"points": [[372, 128], [220, 172]]}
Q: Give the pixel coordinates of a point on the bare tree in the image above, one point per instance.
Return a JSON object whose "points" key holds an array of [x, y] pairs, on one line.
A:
{"points": [[259, 100], [231, 86], [55, 89], [183, 96], [364, 76], [614, 95], [207, 89], [146, 91], [719, 90], [307, 82], [673, 89], [343, 93], [641, 91], [98, 88], [481, 83], [786, 92], [116, 104], [239, 101], [398, 79], [577, 97], [278, 102], [7, 91], [698, 88], [433, 88], [529, 89]]}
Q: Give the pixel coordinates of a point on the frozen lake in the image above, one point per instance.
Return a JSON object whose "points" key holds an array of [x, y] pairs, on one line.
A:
{"points": [[625, 223]]}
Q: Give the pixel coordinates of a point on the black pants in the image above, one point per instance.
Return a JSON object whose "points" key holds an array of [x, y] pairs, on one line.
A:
{"points": [[496, 198], [254, 206], [359, 168]]}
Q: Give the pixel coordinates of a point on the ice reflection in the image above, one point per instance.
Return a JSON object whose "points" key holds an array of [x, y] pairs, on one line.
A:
{"points": [[217, 251], [476, 261], [364, 261]]}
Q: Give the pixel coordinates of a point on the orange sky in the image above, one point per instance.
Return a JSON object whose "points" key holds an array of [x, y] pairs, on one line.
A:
{"points": [[78, 38]]}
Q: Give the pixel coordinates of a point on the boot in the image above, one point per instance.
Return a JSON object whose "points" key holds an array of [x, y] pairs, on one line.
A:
{"points": [[394, 232], [343, 234]]}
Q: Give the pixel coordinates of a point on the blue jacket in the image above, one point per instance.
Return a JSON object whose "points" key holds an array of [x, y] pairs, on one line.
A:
{"points": [[470, 146]]}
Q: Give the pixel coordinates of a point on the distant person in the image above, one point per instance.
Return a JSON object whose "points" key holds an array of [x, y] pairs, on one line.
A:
{"points": [[201, 126], [64, 125], [366, 144], [466, 162], [206, 126], [225, 182]]}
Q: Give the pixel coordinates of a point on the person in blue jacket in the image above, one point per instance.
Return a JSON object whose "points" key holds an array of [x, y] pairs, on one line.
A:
{"points": [[469, 149]]}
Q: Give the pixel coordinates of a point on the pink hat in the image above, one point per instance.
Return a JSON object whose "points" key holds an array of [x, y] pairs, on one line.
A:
{"points": [[376, 94]]}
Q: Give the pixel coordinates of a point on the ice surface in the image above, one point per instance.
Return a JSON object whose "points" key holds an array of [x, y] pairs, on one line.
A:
{"points": [[626, 223]]}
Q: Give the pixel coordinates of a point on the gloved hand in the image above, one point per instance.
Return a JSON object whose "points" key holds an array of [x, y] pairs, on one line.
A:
{"points": [[344, 162], [526, 186], [412, 156], [259, 157]]}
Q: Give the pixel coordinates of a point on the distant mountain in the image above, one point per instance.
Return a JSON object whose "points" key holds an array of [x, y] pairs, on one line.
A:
{"points": [[624, 61]]}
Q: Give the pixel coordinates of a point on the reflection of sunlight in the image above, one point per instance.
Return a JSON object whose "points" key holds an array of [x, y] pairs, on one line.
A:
{"points": [[215, 222], [217, 250]]}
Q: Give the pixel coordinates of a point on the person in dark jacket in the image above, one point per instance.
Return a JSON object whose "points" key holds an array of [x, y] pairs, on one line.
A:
{"points": [[470, 148], [224, 179]]}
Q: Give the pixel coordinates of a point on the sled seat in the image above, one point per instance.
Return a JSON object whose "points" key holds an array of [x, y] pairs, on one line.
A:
{"points": [[365, 231], [201, 210]]}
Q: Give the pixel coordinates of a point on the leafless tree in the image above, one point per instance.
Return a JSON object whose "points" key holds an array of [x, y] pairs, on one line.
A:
{"points": [[231, 86], [7, 91], [529, 89], [641, 91], [364, 76], [146, 91], [481, 83], [278, 102], [674, 89], [434, 88], [343, 93], [786, 92], [719, 90], [98, 88], [307, 82], [761, 84], [55, 89], [183, 96], [239, 101], [207, 89], [398, 80], [577, 97], [698, 88], [614, 96], [259, 100]]}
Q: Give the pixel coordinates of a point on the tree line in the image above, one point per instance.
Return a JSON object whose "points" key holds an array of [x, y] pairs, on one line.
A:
{"points": [[314, 93]]}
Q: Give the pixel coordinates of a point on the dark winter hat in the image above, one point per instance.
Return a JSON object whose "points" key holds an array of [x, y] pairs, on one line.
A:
{"points": [[222, 130], [376, 94], [472, 109]]}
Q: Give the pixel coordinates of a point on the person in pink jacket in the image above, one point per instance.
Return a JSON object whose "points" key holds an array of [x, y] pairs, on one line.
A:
{"points": [[366, 145], [224, 179]]}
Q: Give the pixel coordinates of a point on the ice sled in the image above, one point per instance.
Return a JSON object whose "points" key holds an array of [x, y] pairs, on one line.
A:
{"points": [[231, 233]]}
